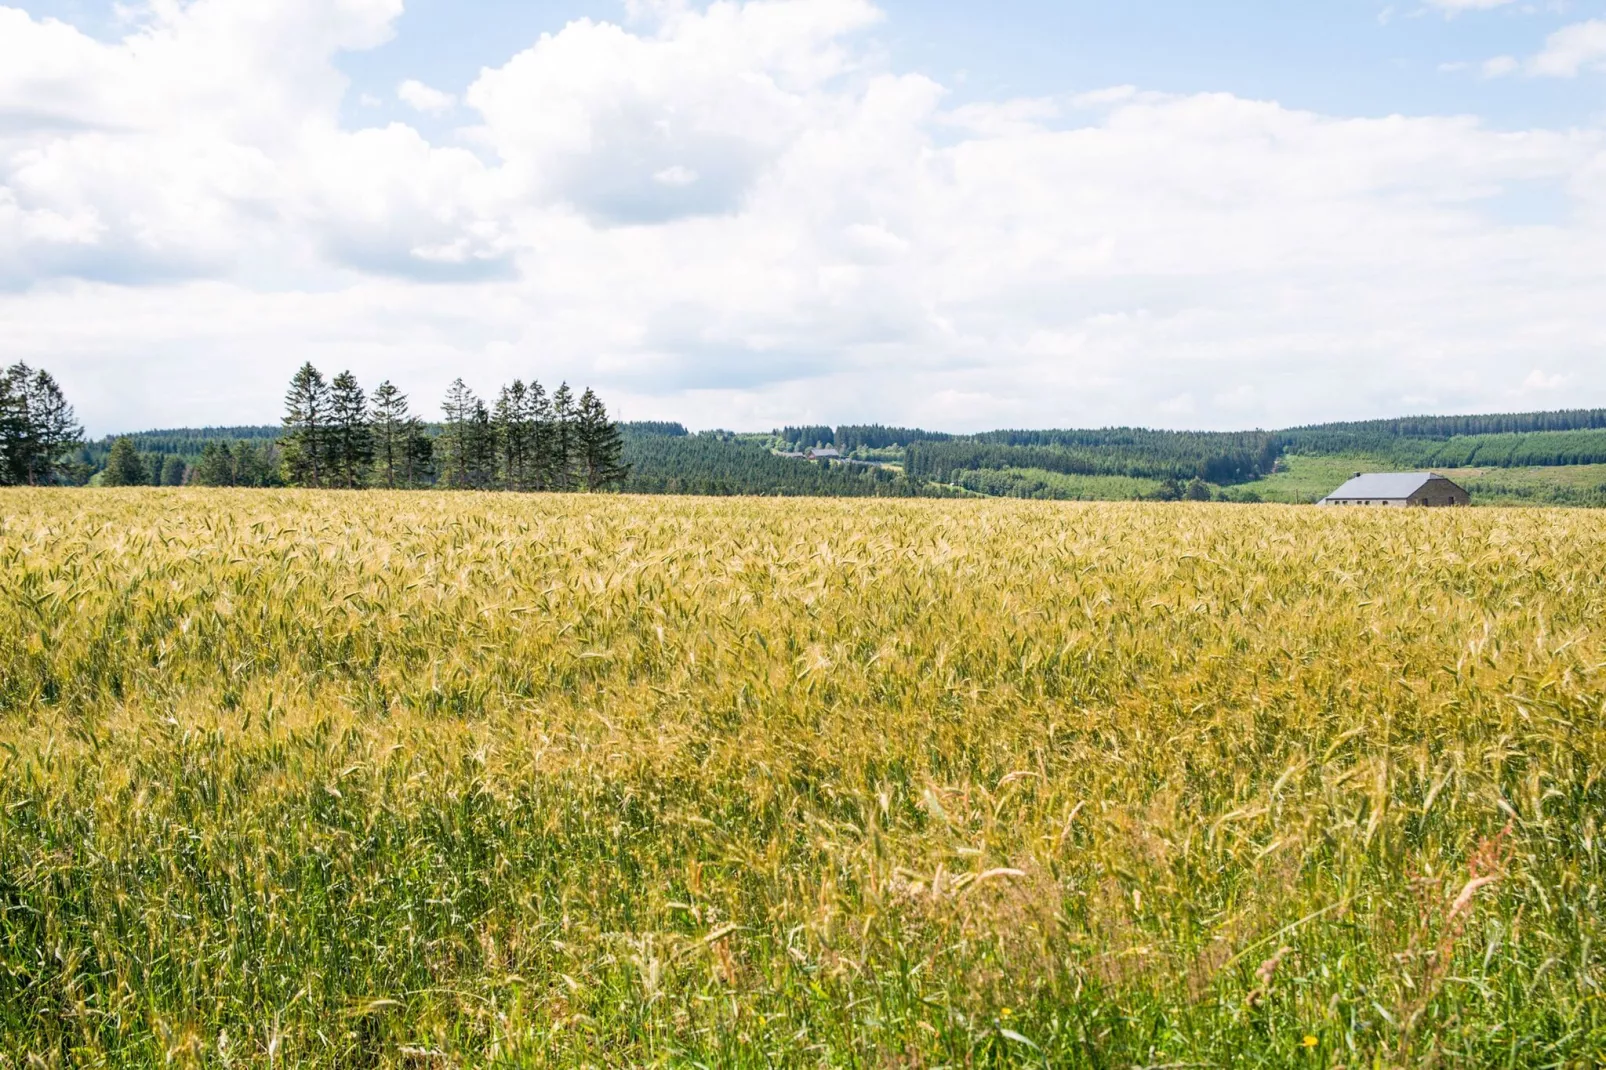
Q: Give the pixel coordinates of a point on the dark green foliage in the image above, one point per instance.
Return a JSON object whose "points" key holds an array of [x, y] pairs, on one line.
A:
{"points": [[306, 422], [390, 422], [38, 430], [124, 467], [173, 471], [805, 437], [716, 464], [468, 441], [1215, 458], [238, 464], [654, 427], [876, 437], [351, 440], [561, 448], [599, 446]]}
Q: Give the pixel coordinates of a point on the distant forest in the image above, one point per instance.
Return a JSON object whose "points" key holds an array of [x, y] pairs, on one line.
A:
{"points": [[336, 435]]}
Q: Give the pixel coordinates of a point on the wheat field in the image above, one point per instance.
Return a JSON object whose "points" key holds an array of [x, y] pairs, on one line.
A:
{"points": [[423, 780]]}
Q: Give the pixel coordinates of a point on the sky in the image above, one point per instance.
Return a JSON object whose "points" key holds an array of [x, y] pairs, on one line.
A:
{"points": [[954, 215]]}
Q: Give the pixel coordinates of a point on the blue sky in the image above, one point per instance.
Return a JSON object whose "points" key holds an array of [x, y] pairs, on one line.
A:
{"points": [[958, 214]]}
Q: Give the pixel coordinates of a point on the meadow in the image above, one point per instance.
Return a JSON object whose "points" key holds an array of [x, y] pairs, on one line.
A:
{"points": [[302, 779]]}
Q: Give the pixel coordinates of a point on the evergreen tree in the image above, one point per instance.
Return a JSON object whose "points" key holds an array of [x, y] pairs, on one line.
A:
{"points": [[217, 465], [457, 440], [482, 448], [419, 452], [561, 448], [37, 427], [124, 468], [543, 438], [173, 469], [392, 426], [306, 421], [351, 442], [514, 428], [598, 445]]}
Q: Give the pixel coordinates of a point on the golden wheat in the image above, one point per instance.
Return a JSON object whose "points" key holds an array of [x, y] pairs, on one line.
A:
{"points": [[378, 779]]}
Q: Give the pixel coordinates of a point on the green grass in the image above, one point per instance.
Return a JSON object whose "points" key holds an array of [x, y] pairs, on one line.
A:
{"points": [[430, 780]]}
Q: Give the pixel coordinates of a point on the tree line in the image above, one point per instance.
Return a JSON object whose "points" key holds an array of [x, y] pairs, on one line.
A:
{"points": [[336, 435]]}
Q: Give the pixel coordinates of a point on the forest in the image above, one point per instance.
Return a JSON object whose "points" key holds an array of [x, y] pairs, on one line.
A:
{"points": [[336, 434]]}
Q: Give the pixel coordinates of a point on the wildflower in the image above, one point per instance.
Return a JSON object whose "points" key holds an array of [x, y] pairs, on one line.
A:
{"points": [[1004, 1012], [1309, 1041]]}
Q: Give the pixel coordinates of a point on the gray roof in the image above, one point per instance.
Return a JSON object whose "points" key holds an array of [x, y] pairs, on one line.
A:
{"points": [[1386, 486]]}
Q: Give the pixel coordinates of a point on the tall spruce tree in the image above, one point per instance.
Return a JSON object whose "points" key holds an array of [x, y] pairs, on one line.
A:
{"points": [[173, 469], [512, 423], [457, 438], [306, 422], [351, 442], [543, 438], [419, 453], [391, 426], [37, 427], [561, 455], [598, 445]]}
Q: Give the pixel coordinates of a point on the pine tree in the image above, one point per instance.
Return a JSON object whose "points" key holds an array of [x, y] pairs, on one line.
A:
{"points": [[512, 423], [482, 448], [458, 437], [350, 439], [217, 467], [419, 452], [37, 427], [561, 450], [543, 438], [306, 421], [124, 468], [598, 445], [173, 469], [391, 426]]}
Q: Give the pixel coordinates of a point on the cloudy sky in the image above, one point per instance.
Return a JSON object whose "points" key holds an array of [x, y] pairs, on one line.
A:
{"points": [[953, 213]]}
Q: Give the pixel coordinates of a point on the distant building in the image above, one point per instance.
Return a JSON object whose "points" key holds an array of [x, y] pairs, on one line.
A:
{"points": [[825, 455], [1421, 489]]}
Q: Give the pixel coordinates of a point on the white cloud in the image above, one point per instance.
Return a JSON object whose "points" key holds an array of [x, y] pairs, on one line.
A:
{"points": [[739, 215], [1500, 66], [1572, 49], [1457, 6], [423, 98], [1539, 382]]}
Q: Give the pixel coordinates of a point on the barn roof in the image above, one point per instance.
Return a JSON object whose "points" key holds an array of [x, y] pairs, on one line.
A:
{"points": [[1387, 486]]}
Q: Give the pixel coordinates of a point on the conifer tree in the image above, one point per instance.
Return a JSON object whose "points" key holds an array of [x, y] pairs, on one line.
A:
{"points": [[598, 445], [457, 439], [419, 452], [306, 421], [513, 426], [173, 469], [217, 467], [124, 468], [543, 438], [350, 439], [37, 427], [391, 427], [562, 442]]}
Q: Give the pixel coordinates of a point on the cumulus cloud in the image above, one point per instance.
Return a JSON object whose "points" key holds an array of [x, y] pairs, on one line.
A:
{"points": [[424, 98], [1581, 46], [739, 214]]}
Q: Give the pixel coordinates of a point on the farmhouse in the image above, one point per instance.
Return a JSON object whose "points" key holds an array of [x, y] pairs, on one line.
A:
{"points": [[1399, 489]]}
